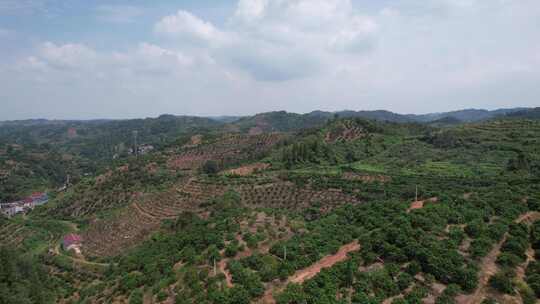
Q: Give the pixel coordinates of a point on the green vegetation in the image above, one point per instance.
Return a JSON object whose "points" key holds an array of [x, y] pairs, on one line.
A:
{"points": [[170, 224], [23, 280]]}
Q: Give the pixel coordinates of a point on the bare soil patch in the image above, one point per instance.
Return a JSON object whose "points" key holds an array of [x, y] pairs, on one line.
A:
{"points": [[488, 267], [520, 271], [222, 265], [302, 275], [436, 290], [420, 204], [194, 141], [368, 178], [328, 261], [248, 169]]}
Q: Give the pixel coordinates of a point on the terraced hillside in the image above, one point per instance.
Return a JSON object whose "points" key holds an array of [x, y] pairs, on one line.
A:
{"points": [[128, 227], [353, 211], [229, 149], [135, 223]]}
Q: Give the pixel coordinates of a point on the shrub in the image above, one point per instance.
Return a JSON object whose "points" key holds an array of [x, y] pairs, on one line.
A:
{"points": [[161, 296], [210, 167], [508, 260], [231, 250], [136, 297], [502, 281], [526, 293], [404, 280]]}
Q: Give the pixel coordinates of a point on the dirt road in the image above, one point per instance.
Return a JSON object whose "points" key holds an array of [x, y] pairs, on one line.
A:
{"points": [[488, 266], [302, 275]]}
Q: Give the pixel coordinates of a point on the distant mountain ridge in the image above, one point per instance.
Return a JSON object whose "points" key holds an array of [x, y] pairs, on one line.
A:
{"points": [[466, 115], [285, 121], [533, 113]]}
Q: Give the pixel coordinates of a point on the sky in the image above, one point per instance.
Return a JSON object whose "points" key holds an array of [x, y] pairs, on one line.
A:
{"points": [[80, 59]]}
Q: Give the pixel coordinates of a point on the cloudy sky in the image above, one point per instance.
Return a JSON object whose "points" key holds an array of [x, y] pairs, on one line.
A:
{"points": [[119, 59]]}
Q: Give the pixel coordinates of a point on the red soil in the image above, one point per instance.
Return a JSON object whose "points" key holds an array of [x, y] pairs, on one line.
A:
{"points": [[307, 273], [248, 170], [529, 217], [420, 204], [196, 139], [366, 178], [416, 205], [72, 133], [222, 265], [488, 266], [328, 261]]}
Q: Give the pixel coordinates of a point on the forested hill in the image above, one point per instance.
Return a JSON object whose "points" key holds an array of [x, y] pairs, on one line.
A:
{"points": [[348, 210], [39, 153], [281, 120], [528, 113]]}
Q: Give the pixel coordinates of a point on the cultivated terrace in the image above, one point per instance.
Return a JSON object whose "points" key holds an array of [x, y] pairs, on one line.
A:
{"points": [[276, 209]]}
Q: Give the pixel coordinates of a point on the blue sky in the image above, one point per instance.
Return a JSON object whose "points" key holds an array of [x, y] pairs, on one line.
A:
{"points": [[103, 24], [121, 59]]}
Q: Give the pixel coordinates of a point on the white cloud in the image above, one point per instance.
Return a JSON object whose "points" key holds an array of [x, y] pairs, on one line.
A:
{"points": [[33, 63], [154, 60], [184, 25], [67, 55], [153, 51], [250, 10], [118, 13], [356, 37], [317, 13], [78, 58], [300, 55], [276, 40]]}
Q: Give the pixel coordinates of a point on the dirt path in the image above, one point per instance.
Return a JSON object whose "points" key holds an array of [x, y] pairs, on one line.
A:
{"points": [[399, 296], [488, 266], [328, 261], [529, 217], [302, 275], [222, 266], [520, 271], [56, 251]]}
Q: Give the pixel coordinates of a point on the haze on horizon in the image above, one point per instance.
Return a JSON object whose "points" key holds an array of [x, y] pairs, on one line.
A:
{"points": [[124, 59]]}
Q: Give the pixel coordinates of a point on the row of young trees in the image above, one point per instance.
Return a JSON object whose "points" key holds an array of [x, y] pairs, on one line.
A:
{"points": [[387, 233], [533, 269]]}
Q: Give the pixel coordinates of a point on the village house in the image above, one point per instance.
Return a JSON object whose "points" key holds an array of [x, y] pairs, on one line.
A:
{"points": [[72, 242], [24, 205], [11, 209], [141, 150]]}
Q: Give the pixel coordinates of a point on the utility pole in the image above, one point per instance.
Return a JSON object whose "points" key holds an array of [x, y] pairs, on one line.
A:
{"points": [[285, 253], [416, 194], [215, 270], [135, 145]]}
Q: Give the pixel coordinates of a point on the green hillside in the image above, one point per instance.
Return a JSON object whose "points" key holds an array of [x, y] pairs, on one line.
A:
{"points": [[297, 210]]}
